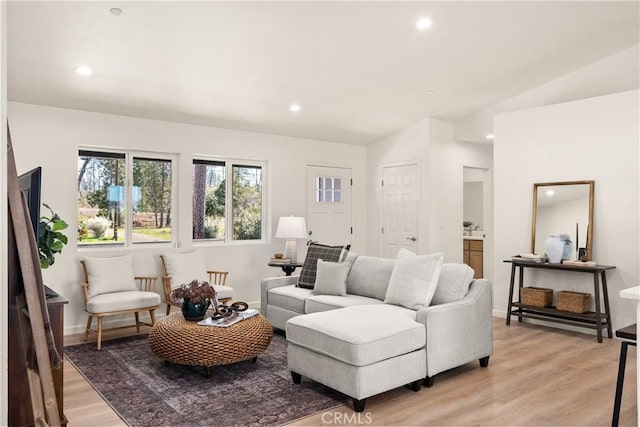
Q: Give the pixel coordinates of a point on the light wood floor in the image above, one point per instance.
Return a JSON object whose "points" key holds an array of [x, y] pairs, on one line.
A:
{"points": [[537, 376]]}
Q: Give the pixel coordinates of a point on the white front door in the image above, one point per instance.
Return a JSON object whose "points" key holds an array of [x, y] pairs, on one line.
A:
{"points": [[400, 201], [329, 205]]}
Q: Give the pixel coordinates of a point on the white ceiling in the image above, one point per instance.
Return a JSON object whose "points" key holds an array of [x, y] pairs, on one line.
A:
{"points": [[360, 70]]}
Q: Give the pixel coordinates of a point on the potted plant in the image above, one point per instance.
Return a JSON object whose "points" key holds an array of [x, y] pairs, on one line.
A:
{"points": [[50, 238], [196, 297], [467, 227]]}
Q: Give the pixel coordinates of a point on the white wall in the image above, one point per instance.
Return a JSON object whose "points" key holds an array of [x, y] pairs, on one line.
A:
{"points": [[472, 203], [595, 138], [50, 137], [613, 74], [441, 159]]}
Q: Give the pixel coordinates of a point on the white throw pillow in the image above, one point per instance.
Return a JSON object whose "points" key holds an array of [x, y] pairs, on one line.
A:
{"points": [[453, 283], [414, 279], [331, 278], [185, 267], [107, 275]]}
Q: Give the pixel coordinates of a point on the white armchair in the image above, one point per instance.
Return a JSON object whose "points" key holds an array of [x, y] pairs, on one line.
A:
{"points": [[179, 268], [110, 288]]}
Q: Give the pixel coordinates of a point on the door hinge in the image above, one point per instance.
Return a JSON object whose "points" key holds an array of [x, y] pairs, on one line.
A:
{"points": [[382, 230], [351, 182], [383, 182], [351, 230]]}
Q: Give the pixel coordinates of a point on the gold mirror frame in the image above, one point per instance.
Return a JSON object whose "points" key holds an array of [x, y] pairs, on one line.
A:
{"points": [[591, 185]]}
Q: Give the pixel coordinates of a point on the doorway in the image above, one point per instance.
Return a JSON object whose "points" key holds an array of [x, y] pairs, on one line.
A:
{"points": [[475, 217]]}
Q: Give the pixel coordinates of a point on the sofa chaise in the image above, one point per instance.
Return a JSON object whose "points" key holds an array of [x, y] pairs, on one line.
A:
{"points": [[362, 343]]}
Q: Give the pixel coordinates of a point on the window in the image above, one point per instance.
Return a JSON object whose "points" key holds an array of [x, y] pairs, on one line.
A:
{"points": [[328, 189], [123, 198], [228, 201]]}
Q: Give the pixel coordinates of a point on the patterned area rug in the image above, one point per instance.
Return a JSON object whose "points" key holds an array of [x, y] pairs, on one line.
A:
{"points": [[146, 392]]}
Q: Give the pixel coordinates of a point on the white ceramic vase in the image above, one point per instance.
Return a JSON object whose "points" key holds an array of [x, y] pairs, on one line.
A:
{"points": [[554, 246]]}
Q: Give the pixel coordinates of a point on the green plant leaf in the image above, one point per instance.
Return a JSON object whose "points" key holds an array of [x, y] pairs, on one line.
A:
{"points": [[59, 225], [50, 240]]}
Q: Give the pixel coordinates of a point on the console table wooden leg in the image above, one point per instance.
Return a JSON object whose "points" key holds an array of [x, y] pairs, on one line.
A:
{"points": [[513, 277], [520, 281], [596, 296], [605, 293]]}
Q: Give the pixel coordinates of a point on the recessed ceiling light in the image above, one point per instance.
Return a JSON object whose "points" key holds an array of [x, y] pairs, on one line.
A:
{"points": [[423, 23], [490, 136], [294, 108], [550, 193], [115, 11], [430, 92], [83, 71]]}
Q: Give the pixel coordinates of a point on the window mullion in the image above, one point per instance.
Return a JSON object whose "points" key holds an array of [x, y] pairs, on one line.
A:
{"points": [[128, 201], [229, 202]]}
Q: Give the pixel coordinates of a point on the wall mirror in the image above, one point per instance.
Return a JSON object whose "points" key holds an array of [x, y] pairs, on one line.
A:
{"points": [[563, 208]]}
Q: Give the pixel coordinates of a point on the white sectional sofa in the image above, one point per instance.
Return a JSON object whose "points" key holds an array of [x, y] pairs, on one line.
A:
{"points": [[360, 345]]}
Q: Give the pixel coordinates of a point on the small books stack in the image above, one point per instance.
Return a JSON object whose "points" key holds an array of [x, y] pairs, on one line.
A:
{"points": [[530, 258], [280, 260], [225, 322]]}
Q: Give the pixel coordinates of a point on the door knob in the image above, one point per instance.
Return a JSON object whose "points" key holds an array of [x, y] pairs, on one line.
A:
{"points": [[413, 239], [310, 233]]}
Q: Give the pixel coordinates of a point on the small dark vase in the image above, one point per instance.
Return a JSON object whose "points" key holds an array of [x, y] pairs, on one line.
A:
{"points": [[194, 310]]}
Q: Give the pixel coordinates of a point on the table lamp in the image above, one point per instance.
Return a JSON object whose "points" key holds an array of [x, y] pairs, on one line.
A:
{"points": [[291, 228]]}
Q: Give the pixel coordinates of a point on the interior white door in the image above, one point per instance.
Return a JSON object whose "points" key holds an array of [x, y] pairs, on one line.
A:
{"points": [[329, 205], [400, 204]]}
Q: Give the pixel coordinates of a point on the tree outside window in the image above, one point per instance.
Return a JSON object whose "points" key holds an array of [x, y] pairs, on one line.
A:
{"points": [[214, 212], [247, 202], [111, 211]]}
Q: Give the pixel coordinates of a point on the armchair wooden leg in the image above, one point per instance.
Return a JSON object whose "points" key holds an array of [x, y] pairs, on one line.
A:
{"points": [[152, 314], [99, 333], [86, 331], [137, 314], [168, 309]]}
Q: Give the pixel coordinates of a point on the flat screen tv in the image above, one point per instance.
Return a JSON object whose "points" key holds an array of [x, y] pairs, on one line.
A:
{"points": [[30, 184]]}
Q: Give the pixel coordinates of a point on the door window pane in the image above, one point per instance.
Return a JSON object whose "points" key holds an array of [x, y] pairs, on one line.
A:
{"points": [[328, 189]]}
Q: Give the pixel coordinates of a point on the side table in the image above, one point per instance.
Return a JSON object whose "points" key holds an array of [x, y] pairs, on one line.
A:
{"points": [[287, 268]]}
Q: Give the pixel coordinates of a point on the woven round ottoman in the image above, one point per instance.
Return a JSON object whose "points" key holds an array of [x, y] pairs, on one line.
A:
{"points": [[186, 343]]}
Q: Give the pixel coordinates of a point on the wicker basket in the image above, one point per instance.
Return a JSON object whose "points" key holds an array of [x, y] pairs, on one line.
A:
{"points": [[574, 302], [536, 297]]}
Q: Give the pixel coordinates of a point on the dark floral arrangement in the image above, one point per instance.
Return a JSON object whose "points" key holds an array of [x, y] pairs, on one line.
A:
{"points": [[196, 292]]}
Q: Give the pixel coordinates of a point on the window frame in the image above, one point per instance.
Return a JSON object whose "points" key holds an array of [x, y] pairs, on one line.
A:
{"points": [[129, 156], [229, 164]]}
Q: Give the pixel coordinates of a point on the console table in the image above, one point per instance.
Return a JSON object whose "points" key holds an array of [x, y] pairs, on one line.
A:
{"points": [[597, 320]]}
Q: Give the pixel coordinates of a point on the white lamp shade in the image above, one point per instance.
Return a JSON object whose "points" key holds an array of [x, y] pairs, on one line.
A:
{"points": [[291, 227]]}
